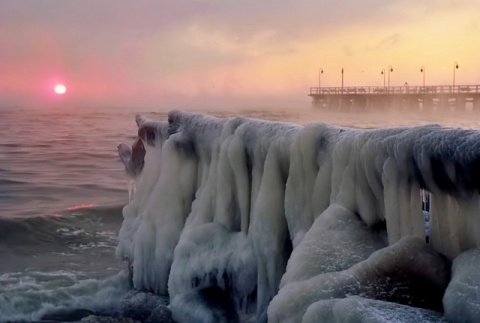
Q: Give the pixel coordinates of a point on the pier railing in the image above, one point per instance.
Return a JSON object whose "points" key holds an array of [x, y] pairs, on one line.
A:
{"points": [[380, 90]]}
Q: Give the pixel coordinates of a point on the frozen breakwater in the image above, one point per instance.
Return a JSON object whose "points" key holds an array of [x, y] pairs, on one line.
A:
{"points": [[239, 219]]}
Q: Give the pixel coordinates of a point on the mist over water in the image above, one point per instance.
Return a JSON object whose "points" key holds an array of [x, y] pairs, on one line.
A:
{"points": [[62, 189], [391, 117]]}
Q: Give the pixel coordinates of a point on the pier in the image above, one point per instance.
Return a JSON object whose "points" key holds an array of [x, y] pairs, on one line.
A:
{"points": [[378, 98]]}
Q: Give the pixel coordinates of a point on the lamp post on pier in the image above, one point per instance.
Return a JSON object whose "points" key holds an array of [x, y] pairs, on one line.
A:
{"points": [[383, 73], [342, 79], [320, 72], [422, 70], [390, 69], [455, 67]]}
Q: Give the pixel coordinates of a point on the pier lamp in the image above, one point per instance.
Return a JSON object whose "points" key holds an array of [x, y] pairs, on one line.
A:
{"points": [[342, 79], [383, 73], [390, 69], [320, 72], [455, 67], [422, 70]]}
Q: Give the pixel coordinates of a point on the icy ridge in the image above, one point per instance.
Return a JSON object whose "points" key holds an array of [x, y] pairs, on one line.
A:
{"points": [[221, 205]]}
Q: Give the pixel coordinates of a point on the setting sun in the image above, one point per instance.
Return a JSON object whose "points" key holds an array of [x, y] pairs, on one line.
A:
{"points": [[60, 89]]}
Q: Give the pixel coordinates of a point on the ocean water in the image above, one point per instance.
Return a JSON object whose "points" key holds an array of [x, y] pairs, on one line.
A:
{"points": [[62, 189]]}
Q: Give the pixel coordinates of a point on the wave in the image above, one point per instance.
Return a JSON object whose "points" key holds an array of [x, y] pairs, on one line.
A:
{"points": [[16, 231], [59, 296], [77, 228]]}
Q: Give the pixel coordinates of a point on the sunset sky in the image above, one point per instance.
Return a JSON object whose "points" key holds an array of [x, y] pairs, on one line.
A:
{"points": [[206, 52]]}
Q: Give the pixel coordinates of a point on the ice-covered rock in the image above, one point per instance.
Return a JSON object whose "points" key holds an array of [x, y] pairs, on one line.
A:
{"points": [[161, 314], [221, 205], [355, 309], [408, 272], [462, 297], [204, 305], [337, 240], [140, 305]]}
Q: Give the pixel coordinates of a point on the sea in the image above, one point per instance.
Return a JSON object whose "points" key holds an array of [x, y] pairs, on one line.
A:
{"points": [[63, 187]]}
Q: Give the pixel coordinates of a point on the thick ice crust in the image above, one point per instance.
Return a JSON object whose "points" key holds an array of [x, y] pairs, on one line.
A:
{"points": [[226, 203]]}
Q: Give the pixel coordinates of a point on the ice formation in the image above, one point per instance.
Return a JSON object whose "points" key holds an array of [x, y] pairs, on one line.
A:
{"points": [[240, 219]]}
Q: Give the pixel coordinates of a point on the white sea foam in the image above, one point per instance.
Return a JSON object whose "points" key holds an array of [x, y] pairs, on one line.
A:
{"points": [[72, 232], [28, 296], [90, 245]]}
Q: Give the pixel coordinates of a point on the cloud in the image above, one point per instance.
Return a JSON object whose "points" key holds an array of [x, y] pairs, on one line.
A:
{"points": [[386, 42]]}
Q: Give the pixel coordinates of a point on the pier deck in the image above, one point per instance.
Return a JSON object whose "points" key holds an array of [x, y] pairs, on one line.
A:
{"points": [[446, 97]]}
